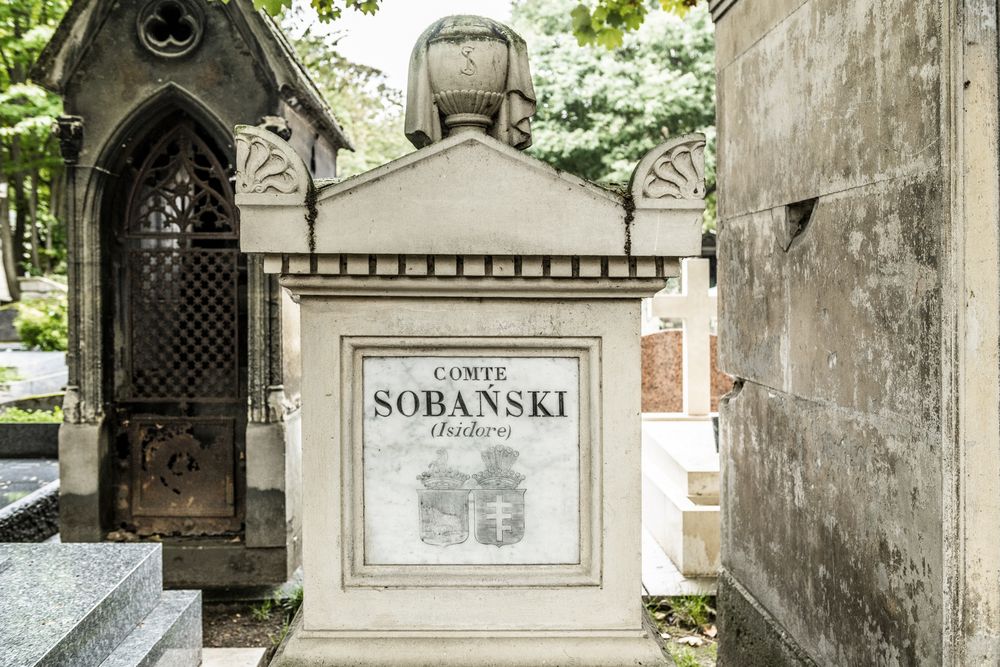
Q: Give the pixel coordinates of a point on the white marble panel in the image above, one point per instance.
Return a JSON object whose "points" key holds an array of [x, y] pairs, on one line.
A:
{"points": [[424, 449]]}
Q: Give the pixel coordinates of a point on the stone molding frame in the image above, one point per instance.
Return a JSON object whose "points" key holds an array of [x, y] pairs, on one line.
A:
{"points": [[671, 175], [266, 165], [586, 571]]}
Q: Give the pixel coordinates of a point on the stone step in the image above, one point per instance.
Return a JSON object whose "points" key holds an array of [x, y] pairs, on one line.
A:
{"points": [[680, 452], [169, 636], [233, 657], [72, 604], [687, 532]]}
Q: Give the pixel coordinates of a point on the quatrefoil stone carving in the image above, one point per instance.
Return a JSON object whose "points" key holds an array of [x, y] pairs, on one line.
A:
{"points": [[170, 28]]}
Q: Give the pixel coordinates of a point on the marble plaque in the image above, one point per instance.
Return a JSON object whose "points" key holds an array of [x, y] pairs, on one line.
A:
{"points": [[471, 460]]}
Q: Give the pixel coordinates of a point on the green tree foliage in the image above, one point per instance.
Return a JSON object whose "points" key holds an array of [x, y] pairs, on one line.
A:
{"points": [[599, 111], [328, 10], [607, 21], [42, 323], [370, 110], [30, 167], [604, 22]]}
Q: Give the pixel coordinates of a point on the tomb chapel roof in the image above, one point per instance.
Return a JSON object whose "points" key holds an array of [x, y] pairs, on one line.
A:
{"points": [[268, 46]]}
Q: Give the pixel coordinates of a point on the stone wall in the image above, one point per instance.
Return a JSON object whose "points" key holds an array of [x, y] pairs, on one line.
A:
{"points": [[832, 198]]}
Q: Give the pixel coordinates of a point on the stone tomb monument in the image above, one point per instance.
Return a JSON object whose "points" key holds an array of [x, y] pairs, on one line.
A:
{"points": [[471, 378]]}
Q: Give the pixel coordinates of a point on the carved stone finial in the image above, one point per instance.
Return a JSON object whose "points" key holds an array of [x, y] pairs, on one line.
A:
{"points": [[265, 164], [69, 130], [674, 170], [469, 74]]}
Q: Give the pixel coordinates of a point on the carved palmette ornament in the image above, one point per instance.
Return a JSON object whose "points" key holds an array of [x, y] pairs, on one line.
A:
{"points": [[674, 170], [678, 174], [262, 167]]}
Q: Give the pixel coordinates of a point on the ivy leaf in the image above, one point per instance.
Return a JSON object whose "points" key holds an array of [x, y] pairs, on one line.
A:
{"points": [[581, 18], [610, 38]]}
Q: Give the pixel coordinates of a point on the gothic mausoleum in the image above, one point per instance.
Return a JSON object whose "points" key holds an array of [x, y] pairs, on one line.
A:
{"points": [[182, 406]]}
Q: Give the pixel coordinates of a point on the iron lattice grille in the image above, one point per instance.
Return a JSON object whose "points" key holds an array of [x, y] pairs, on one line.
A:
{"points": [[182, 189], [184, 321], [183, 274]]}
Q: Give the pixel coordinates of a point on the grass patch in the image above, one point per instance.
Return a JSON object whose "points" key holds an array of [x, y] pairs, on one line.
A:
{"points": [[9, 374], [287, 605], [683, 657], [692, 611], [19, 416], [686, 624]]}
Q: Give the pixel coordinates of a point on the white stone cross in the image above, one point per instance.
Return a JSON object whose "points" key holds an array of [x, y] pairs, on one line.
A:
{"points": [[695, 306]]}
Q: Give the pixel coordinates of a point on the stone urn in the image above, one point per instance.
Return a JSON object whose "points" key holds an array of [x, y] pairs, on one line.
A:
{"points": [[467, 63]]}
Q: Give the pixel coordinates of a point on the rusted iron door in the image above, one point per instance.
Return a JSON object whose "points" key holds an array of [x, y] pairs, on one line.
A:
{"points": [[180, 356]]}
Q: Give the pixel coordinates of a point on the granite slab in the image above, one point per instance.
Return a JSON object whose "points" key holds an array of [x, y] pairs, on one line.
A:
{"points": [[169, 636], [72, 604]]}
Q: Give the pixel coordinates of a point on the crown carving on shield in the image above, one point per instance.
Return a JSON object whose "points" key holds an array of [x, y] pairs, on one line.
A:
{"points": [[439, 475], [498, 474]]}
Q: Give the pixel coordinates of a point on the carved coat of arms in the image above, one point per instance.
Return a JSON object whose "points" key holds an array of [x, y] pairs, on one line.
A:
{"points": [[444, 505], [499, 504]]}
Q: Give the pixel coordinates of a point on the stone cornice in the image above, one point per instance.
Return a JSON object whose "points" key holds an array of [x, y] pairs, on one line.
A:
{"points": [[536, 267]]}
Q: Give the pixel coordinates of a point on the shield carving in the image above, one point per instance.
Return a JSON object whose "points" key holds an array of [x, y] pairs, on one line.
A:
{"points": [[499, 516], [444, 516]]}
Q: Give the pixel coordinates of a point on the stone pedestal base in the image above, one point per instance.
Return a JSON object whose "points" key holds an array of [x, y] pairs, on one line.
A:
{"points": [[465, 649]]}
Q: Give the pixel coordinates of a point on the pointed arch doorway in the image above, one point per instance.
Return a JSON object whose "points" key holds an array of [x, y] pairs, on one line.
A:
{"points": [[178, 349]]}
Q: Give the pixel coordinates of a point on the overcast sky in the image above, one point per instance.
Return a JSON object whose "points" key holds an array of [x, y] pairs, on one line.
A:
{"points": [[386, 39]]}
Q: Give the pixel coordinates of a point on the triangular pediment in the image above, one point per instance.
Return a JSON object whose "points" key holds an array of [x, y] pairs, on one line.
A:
{"points": [[466, 195], [476, 174]]}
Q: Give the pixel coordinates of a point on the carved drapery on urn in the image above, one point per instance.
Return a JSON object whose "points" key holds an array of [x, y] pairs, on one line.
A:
{"points": [[469, 74]]}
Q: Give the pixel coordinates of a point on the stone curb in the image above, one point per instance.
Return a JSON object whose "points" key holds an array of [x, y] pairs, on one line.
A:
{"points": [[34, 518]]}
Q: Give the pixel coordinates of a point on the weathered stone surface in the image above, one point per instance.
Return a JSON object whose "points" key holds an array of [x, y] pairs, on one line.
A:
{"points": [[794, 473], [753, 344], [663, 373], [864, 300], [219, 563], [802, 112], [756, 639], [834, 244]]}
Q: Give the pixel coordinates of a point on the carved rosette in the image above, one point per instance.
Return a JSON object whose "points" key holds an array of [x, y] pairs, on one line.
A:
{"points": [[265, 164], [674, 170]]}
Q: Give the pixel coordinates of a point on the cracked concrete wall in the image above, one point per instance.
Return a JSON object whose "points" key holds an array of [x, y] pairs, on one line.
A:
{"points": [[833, 519]]}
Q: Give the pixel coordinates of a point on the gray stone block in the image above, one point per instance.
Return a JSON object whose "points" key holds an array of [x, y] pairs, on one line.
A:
{"points": [[169, 636], [218, 563], [72, 604], [29, 440]]}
